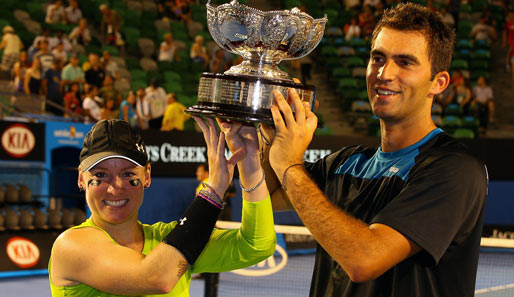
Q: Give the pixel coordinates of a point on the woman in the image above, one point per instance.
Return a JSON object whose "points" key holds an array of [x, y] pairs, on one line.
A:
{"points": [[108, 112], [198, 52], [168, 49], [112, 253], [19, 70], [72, 102], [462, 94], [128, 111], [32, 79]]}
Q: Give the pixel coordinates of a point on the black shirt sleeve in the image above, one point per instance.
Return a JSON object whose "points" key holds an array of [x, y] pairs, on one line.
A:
{"points": [[441, 202], [320, 170]]}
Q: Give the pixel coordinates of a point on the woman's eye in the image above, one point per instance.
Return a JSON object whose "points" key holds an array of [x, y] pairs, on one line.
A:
{"points": [[128, 174]]}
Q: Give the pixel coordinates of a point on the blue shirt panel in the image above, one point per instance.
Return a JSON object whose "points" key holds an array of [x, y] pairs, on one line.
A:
{"points": [[385, 164]]}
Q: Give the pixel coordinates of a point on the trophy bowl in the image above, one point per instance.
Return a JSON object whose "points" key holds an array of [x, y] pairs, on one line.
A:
{"points": [[263, 39]]}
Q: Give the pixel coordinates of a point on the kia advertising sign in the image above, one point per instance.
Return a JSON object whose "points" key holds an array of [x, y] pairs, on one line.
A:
{"points": [[22, 141], [25, 250], [22, 252]]}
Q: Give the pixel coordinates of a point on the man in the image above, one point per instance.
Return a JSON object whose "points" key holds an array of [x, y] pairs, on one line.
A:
{"points": [[94, 73], [113, 254], [142, 108], [73, 12], [404, 219], [483, 31], [483, 98], [155, 99], [52, 89], [202, 175], [55, 13], [12, 46], [44, 56], [110, 20], [174, 116], [92, 105], [72, 74]]}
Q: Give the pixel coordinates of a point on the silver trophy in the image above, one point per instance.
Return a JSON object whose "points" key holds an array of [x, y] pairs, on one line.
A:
{"points": [[245, 92]]}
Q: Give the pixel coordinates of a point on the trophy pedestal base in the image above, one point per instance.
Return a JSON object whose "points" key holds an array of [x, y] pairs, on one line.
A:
{"points": [[243, 98]]}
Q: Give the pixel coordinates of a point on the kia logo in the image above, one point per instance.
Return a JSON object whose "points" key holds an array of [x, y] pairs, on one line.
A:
{"points": [[22, 252], [18, 141]]}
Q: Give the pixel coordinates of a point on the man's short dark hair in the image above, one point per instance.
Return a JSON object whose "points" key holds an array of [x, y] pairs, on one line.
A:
{"points": [[414, 17]]}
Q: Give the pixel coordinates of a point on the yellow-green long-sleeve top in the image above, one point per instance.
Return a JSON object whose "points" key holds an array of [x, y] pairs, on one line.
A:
{"points": [[227, 250]]}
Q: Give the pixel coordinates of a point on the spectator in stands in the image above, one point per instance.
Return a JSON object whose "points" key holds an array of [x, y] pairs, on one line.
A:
{"points": [[108, 111], [352, 4], [483, 31], [447, 17], [508, 38], [198, 52], [72, 102], [430, 5], [168, 49], [110, 20], [12, 45], [72, 74], [178, 10], [95, 75], [44, 56], [142, 108], [80, 34], [372, 3], [174, 116], [92, 105], [352, 30], [116, 38], [366, 21], [155, 98], [55, 13], [462, 94], [33, 49], [73, 12], [483, 98], [45, 35], [109, 92], [60, 54], [221, 61], [60, 37], [32, 80], [52, 88], [128, 111], [19, 70], [110, 67]]}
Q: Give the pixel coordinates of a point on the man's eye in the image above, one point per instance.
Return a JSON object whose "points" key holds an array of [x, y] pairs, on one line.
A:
{"points": [[377, 59], [405, 63], [100, 174]]}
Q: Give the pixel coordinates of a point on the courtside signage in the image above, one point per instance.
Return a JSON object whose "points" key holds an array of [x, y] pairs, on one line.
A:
{"points": [[22, 141], [22, 252], [18, 141]]}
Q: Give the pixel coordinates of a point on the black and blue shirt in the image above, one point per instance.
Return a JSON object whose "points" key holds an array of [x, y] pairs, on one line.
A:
{"points": [[433, 192]]}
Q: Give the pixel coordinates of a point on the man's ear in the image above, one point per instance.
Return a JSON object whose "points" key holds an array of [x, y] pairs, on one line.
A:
{"points": [[439, 83]]}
